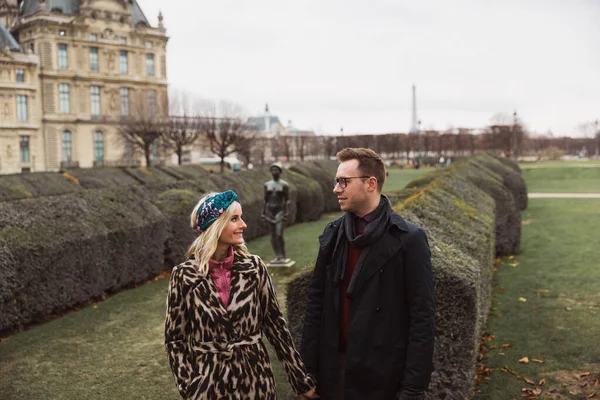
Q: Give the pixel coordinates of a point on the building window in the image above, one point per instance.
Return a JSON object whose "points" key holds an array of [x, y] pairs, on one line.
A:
{"points": [[24, 146], [67, 146], [65, 101], [124, 67], [128, 152], [148, 44], [151, 102], [98, 146], [93, 37], [125, 102], [20, 75], [150, 64], [123, 41], [21, 108], [94, 59], [63, 59], [95, 92]]}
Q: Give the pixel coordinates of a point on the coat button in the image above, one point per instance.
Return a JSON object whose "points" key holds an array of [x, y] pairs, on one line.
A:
{"points": [[381, 270], [378, 309]]}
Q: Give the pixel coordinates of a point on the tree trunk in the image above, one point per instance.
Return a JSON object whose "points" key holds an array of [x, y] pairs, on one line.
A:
{"points": [[147, 155], [179, 151]]}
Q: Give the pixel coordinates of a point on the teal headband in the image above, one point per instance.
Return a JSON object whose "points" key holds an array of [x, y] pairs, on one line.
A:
{"points": [[212, 208]]}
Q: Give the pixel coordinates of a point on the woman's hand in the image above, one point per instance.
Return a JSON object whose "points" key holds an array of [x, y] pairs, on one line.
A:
{"points": [[311, 394]]}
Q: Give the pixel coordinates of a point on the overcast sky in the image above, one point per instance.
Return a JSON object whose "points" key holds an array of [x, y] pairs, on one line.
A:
{"points": [[327, 64]]}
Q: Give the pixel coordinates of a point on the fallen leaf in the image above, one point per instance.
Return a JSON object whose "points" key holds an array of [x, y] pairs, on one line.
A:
{"points": [[542, 382], [569, 308], [597, 383], [537, 391], [529, 381], [584, 374], [523, 299], [511, 257], [508, 345], [514, 264], [524, 360], [535, 360], [501, 290], [95, 306]]}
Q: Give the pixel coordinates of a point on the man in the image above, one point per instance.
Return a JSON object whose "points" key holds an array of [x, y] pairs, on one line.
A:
{"points": [[275, 211], [370, 313]]}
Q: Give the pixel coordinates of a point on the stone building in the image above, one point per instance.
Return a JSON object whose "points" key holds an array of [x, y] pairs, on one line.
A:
{"points": [[70, 72]]}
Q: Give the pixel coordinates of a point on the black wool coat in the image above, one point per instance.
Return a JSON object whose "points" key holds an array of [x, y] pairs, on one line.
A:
{"points": [[392, 317]]}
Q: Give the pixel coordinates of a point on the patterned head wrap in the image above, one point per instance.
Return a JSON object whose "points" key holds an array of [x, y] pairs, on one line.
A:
{"points": [[212, 208]]}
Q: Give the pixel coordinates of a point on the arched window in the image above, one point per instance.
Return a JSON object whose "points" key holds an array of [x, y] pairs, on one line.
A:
{"points": [[98, 147], [67, 147]]}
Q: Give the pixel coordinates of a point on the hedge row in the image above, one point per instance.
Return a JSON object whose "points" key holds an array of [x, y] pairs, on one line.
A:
{"points": [[60, 251], [465, 209]]}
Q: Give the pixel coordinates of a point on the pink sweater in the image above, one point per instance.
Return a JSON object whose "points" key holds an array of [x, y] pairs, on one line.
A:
{"points": [[220, 272]]}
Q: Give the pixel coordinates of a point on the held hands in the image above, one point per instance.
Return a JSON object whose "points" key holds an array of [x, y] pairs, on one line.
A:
{"points": [[311, 394]]}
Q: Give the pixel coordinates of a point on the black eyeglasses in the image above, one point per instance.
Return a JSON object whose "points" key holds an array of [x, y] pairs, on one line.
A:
{"points": [[343, 182]]}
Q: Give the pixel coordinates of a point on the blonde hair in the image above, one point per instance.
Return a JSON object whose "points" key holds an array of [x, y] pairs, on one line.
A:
{"points": [[205, 245]]}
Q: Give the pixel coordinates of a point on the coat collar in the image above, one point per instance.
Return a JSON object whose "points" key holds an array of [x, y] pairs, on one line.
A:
{"points": [[244, 278]]}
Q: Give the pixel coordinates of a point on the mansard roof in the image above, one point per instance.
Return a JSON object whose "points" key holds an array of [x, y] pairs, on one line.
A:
{"points": [[71, 7], [7, 40], [65, 6]]}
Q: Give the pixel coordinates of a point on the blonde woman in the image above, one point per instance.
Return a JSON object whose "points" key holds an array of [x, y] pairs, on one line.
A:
{"points": [[220, 303]]}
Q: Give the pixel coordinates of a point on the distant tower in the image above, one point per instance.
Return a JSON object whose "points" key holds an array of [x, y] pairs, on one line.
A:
{"points": [[267, 118], [414, 126]]}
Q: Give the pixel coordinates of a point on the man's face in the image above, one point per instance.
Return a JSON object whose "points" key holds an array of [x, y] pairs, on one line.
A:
{"points": [[354, 198], [275, 172]]}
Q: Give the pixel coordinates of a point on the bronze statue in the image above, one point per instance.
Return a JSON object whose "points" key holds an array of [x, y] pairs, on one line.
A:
{"points": [[275, 211]]}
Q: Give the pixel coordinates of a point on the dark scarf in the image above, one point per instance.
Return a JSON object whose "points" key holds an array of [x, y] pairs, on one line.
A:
{"points": [[347, 235]]}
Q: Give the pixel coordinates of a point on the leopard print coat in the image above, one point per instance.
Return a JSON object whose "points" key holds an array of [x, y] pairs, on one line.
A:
{"points": [[218, 353]]}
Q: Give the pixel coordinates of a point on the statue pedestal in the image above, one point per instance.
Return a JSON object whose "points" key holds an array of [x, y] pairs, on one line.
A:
{"points": [[286, 263]]}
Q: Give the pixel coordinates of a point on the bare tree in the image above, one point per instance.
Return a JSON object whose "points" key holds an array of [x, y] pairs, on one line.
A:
{"points": [[183, 126], [143, 128], [226, 129]]}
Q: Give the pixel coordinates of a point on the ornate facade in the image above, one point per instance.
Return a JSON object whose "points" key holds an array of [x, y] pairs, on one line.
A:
{"points": [[88, 64]]}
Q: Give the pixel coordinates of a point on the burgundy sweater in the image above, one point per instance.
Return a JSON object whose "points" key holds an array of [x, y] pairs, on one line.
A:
{"points": [[353, 255]]}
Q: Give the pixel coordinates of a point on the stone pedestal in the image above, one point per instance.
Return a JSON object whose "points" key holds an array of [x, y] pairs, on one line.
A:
{"points": [[286, 263]]}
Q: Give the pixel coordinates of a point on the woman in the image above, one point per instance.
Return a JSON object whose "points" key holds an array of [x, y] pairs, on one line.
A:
{"points": [[220, 302]]}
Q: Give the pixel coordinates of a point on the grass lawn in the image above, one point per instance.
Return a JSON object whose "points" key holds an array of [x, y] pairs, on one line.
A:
{"points": [[560, 179], [398, 178], [546, 302]]}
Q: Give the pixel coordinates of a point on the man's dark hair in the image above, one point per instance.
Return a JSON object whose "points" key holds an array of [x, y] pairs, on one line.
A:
{"points": [[369, 162]]}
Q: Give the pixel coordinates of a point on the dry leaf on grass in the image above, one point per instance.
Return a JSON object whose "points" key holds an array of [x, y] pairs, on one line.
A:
{"points": [[524, 360]]}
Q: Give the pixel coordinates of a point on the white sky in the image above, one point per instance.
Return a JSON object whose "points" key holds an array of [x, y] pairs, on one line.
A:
{"points": [[326, 64]]}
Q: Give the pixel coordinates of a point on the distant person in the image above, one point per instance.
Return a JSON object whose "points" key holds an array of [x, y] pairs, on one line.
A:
{"points": [[275, 211], [220, 302], [369, 326], [442, 162]]}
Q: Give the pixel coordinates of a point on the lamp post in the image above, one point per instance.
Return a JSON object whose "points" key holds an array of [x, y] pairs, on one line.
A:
{"points": [[597, 136], [514, 136]]}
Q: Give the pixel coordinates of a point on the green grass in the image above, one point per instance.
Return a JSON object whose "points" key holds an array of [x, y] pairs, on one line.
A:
{"points": [[557, 273], [398, 178], [557, 179]]}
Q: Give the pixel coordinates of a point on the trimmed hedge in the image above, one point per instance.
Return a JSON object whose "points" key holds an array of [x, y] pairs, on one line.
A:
{"points": [[458, 208], [60, 251], [24, 186]]}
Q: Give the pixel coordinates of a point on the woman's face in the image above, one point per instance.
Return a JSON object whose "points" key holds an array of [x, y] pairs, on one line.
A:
{"points": [[232, 233]]}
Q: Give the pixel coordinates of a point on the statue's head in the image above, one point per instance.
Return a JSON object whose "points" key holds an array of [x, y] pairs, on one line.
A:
{"points": [[276, 170]]}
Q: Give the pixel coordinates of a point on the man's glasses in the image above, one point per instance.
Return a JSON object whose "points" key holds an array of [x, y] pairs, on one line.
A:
{"points": [[343, 182]]}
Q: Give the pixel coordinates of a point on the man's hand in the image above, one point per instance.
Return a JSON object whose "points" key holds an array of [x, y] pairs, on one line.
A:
{"points": [[311, 394]]}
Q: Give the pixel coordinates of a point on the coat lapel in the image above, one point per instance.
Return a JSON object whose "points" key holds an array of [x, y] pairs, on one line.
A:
{"points": [[381, 251]]}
